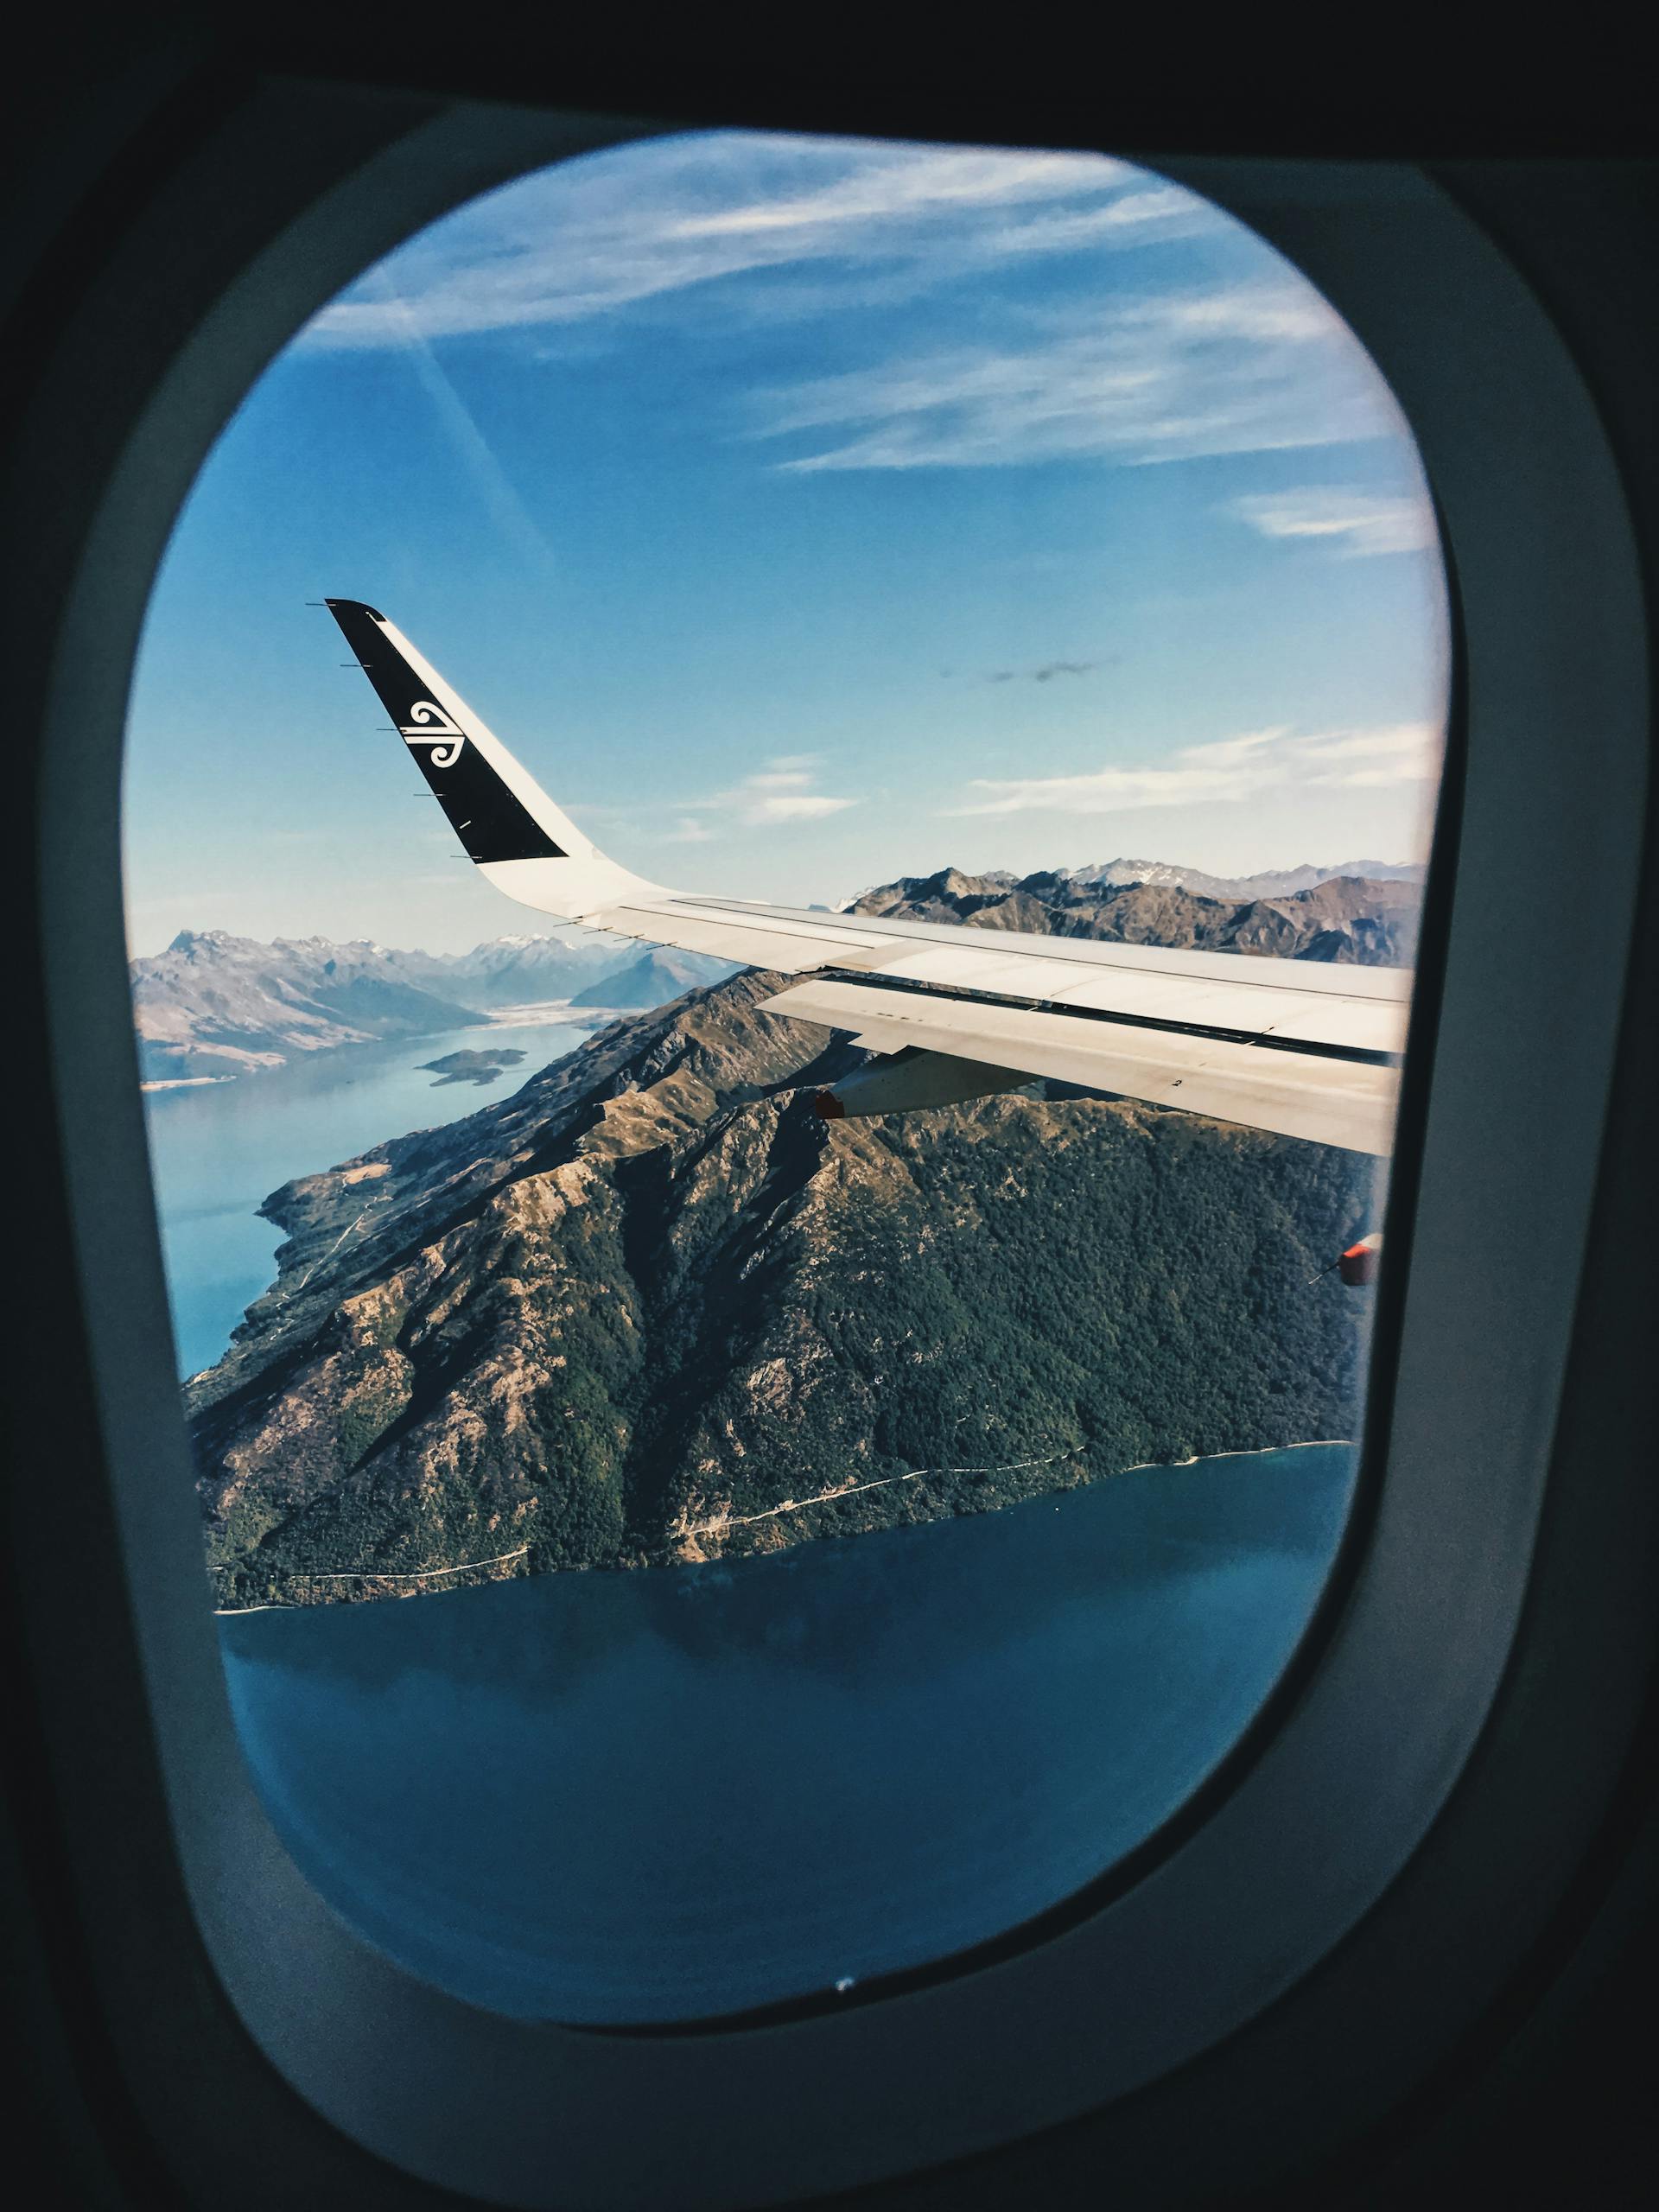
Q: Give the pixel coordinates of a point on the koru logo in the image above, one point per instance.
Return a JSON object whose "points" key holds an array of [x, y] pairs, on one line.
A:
{"points": [[429, 725]]}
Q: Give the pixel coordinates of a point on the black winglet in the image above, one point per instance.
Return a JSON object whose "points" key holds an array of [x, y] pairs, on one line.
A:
{"points": [[492, 821]]}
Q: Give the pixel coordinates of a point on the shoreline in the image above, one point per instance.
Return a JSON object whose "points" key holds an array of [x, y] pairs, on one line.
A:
{"points": [[536, 1014], [790, 1505], [1242, 1451]]}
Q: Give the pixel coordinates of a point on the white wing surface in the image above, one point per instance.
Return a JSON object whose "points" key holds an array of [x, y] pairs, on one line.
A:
{"points": [[1297, 1047]]}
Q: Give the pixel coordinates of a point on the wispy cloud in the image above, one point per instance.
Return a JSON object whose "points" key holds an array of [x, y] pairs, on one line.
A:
{"points": [[1241, 368], [1225, 367], [1229, 768], [1246, 751], [1046, 674], [591, 238], [780, 791], [886, 185], [1354, 522], [787, 806]]}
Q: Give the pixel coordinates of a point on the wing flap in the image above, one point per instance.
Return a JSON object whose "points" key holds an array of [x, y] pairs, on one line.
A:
{"points": [[1255, 1004], [1345, 1008], [1294, 1094]]}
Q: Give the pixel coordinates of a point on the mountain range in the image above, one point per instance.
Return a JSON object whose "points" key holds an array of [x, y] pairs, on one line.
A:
{"points": [[214, 1005], [1346, 919], [1271, 883], [651, 1308]]}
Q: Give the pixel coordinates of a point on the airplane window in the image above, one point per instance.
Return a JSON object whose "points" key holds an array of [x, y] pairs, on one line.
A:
{"points": [[776, 806]]}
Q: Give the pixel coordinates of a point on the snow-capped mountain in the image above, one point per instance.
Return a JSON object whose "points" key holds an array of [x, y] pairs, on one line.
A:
{"points": [[1271, 883], [213, 1004]]}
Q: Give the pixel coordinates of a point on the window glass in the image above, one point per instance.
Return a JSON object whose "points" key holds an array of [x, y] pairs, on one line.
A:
{"points": [[692, 1528]]}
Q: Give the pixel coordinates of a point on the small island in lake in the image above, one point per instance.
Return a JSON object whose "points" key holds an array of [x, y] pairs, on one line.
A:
{"points": [[472, 1067]]}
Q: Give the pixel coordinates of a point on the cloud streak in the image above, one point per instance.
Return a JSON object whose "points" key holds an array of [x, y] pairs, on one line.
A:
{"points": [[1046, 674], [1241, 368], [589, 238], [837, 228], [1355, 524], [782, 790], [1227, 770]]}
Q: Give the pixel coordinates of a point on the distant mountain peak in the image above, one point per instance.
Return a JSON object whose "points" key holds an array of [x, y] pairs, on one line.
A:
{"points": [[1298, 914], [187, 940], [217, 1004], [1266, 883]]}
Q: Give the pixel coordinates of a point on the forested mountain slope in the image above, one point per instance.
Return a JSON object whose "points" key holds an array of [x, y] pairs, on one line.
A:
{"points": [[652, 1308]]}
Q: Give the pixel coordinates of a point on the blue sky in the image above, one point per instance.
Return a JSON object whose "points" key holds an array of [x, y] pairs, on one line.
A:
{"points": [[805, 512]]}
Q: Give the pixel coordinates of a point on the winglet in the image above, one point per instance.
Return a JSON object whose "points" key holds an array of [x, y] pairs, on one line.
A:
{"points": [[523, 842]]}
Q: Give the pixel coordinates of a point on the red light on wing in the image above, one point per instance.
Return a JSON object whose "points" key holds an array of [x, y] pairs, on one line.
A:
{"points": [[1359, 1263]]}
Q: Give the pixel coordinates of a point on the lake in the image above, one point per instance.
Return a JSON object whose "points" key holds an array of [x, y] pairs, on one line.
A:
{"points": [[218, 1150], [668, 1794], [662, 1794]]}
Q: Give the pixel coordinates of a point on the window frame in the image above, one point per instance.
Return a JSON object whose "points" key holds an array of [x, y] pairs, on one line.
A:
{"points": [[1235, 1920]]}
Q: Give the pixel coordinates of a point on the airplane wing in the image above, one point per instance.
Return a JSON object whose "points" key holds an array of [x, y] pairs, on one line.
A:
{"points": [[1297, 1047]]}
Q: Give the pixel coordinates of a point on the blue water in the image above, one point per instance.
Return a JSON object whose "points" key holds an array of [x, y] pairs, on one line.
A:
{"points": [[662, 1795], [218, 1150]]}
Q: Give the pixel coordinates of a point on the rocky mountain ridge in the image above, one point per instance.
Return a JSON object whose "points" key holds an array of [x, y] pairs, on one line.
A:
{"points": [[1268, 883], [1348, 920], [652, 1308]]}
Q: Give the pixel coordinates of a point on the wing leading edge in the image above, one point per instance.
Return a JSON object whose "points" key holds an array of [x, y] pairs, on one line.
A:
{"points": [[1295, 1047]]}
